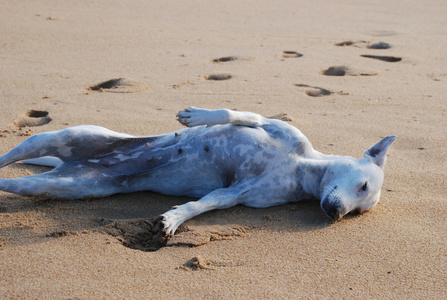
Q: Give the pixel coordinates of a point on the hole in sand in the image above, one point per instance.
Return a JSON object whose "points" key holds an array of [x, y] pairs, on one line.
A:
{"points": [[120, 85], [145, 235], [383, 58], [33, 118], [222, 76], [36, 113]]}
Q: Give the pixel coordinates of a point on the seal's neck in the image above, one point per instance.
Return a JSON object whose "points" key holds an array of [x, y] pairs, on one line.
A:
{"points": [[310, 173]]}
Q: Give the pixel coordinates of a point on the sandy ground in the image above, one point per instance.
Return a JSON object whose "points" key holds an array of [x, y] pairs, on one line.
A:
{"points": [[51, 52]]}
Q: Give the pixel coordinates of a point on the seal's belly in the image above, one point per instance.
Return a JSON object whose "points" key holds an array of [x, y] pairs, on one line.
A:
{"points": [[196, 161]]}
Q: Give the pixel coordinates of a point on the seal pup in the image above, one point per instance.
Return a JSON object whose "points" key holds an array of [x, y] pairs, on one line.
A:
{"points": [[223, 157]]}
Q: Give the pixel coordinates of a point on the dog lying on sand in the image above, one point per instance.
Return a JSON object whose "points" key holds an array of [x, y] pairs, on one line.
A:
{"points": [[224, 158]]}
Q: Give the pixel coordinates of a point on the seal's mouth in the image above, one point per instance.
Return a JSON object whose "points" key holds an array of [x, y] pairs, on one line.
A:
{"points": [[333, 207], [335, 213]]}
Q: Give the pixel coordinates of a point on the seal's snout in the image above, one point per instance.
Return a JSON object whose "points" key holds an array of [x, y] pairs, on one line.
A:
{"points": [[333, 209]]}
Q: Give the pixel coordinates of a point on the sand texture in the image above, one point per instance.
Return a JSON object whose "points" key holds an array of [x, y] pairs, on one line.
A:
{"points": [[346, 73]]}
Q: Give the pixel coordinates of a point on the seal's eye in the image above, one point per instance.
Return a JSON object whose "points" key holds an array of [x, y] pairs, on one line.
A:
{"points": [[365, 186]]}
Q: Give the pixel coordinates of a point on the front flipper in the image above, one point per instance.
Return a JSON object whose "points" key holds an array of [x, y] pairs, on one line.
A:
{"points": [[193, 116], [218, 199]]}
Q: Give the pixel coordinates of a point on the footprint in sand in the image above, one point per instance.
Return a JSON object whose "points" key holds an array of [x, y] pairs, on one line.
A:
{"points": [[120, 85], [343, 70], [335, 71], [364, 44], [32, 118], [225, 59], [314, 91], [218, 77], [383, 58], [290, 54], [231, 58], [379, 45], [359, 44]]}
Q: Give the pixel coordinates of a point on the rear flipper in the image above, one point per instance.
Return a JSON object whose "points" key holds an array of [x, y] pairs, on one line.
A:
{"points": [[48, 161], [68, 181], [68, 145]]}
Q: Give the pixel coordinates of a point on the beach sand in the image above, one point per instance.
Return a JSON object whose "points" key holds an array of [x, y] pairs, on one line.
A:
{"points": [[274, 57]]}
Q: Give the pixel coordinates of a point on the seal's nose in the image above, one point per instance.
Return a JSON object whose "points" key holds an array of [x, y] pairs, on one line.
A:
{"points": [[333, 209]]}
